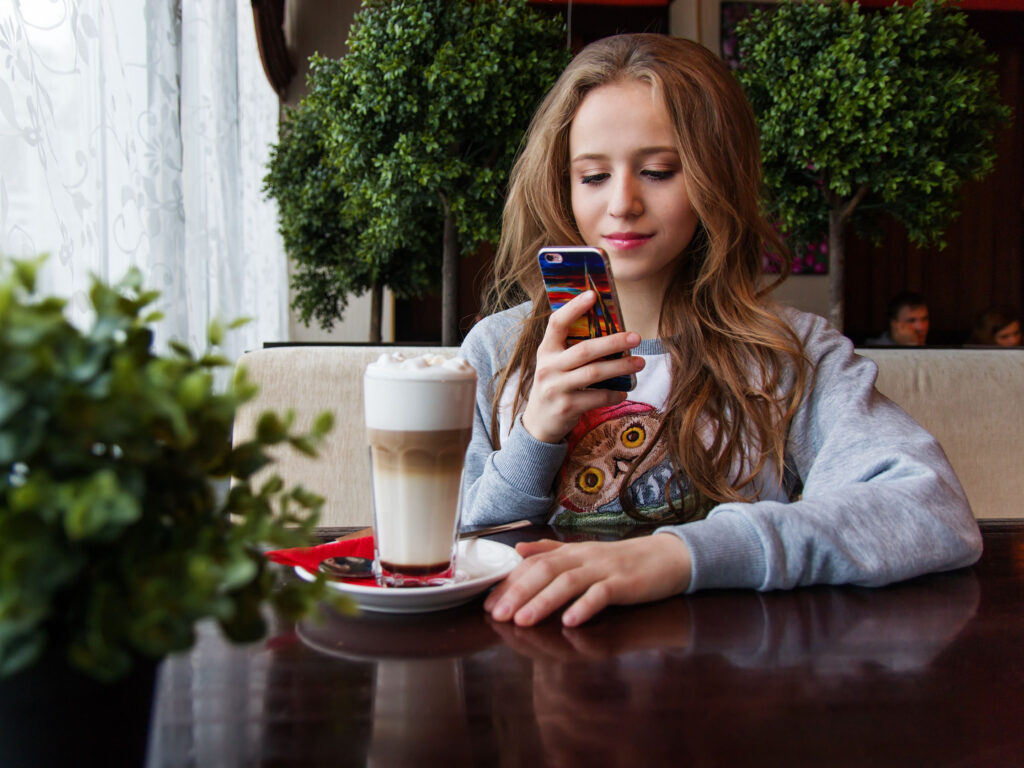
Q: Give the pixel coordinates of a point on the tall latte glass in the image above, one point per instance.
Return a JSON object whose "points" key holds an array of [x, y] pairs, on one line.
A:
{"points": [[419, 415]]}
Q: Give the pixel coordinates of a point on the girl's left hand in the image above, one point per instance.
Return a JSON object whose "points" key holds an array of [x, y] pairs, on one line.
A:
{"points": [[594, 573]]}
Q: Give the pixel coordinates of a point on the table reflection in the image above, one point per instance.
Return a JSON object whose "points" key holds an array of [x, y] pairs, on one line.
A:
{"points": [[419, 697], [628, 669], [661, 665], [833, 630]]}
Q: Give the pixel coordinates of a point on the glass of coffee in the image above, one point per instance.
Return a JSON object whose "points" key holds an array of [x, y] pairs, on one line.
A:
{"points": [[419, 417]]}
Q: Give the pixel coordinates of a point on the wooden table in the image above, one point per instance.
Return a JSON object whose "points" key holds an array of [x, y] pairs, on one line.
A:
{"points": [[925, 673]]}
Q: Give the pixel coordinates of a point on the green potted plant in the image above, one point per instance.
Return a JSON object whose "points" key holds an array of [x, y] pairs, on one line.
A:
{"points": [[866, 113], [117, 529], [397, 160]]}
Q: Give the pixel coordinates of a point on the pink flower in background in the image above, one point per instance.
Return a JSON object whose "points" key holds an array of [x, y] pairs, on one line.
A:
{"points": [[812, 260]]}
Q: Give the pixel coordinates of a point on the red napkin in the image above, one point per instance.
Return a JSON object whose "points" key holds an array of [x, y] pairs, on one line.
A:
{"points": [[311, 557]]}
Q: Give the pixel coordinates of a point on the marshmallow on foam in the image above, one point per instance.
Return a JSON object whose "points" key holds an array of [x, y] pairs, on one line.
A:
{"points": [[397, 364]]}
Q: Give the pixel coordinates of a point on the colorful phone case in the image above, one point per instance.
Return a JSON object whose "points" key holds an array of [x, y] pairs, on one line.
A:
{"points": [[569, 271]]}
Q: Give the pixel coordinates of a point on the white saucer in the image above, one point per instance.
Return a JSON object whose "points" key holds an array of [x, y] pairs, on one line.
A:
{"points": [[479, 564]]}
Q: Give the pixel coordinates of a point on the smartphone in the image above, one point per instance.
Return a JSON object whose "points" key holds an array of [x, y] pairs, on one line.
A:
{"points": [[570, 270]]}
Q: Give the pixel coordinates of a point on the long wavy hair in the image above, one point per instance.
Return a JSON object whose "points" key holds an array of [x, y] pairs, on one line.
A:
{"points": [[738, 371]]}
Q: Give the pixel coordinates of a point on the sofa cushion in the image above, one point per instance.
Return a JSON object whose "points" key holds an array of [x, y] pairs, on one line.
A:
{"points": [[972, 400]]}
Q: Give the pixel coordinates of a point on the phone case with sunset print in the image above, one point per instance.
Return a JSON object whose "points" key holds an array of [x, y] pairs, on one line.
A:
{"points": [[571, 270]]}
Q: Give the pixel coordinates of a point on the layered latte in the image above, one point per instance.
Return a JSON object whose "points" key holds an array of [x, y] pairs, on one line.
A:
{"points": [[419, 417]]}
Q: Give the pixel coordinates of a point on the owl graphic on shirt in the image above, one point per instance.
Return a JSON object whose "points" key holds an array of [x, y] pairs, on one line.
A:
{"points": [[607, 448]]}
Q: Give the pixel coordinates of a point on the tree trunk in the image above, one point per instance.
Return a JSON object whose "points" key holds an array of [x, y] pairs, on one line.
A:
{"points": [[839, 213], [449, 280], [836, 220], [376, 311]]}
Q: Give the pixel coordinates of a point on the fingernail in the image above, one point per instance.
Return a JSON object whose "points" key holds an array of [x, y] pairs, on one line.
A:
{"points": [[633, 339], [639, 362], [501, 611]]}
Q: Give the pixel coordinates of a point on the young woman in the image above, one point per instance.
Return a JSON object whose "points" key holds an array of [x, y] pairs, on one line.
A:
{"points": [[754, 433]]}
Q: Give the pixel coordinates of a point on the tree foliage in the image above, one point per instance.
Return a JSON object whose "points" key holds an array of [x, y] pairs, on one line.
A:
{"points": [[866, 113], [420, 121]]}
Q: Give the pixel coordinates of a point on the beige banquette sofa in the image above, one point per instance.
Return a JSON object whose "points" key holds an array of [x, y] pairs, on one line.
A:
{"points": [[972, 400]]}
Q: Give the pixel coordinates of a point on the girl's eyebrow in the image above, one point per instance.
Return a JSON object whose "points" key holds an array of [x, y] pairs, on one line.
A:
{"points": [[643, 152]]}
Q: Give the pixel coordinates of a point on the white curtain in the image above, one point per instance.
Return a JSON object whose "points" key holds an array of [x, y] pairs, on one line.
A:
{"points": [[135, 132]]}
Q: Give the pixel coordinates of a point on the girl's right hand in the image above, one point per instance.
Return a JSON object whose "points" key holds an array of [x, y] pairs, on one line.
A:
{"points": [[559, 395]]}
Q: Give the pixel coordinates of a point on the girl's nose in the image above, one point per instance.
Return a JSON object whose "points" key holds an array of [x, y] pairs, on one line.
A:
{"points": [[626, 198]]}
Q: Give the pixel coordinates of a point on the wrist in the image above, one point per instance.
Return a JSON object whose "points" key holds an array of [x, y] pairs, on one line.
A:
{"points": [[681, 558], [535, 428]]}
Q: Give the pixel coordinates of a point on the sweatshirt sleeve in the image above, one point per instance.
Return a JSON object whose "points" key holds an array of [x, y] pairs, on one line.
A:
{"points": [[516, 481], [879, 502]]}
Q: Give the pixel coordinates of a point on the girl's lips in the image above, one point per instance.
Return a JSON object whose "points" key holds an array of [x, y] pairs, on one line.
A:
{"points": [[626, 240]]}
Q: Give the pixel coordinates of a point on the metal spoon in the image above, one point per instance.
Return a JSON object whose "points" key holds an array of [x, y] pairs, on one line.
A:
{"points": [[351, 567]]}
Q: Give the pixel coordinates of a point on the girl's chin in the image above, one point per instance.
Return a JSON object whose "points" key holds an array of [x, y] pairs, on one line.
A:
{"points": [[628, 270], [626, 276]]}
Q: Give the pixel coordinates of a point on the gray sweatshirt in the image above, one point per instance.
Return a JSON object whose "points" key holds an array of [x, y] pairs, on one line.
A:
{"points": [[878, 501]]}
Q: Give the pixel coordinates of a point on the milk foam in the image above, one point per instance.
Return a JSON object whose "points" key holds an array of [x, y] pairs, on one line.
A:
{"points": [[421, 393]]}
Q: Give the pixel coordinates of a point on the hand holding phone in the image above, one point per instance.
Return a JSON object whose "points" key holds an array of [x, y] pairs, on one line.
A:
{"points": [[569, 271], [564, 376]]}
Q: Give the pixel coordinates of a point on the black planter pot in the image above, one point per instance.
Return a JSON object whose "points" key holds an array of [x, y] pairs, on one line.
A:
{"points": [[54, 715]]}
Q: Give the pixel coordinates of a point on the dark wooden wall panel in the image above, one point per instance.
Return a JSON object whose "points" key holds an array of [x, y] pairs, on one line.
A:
{"points": [[983, 262]]}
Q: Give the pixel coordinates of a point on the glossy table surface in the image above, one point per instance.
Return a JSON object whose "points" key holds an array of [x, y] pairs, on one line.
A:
{"points": [[929, 672]]}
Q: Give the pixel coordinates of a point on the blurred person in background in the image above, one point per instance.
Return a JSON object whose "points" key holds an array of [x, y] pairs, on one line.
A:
{"points": [[997, 326], [908, 322]]}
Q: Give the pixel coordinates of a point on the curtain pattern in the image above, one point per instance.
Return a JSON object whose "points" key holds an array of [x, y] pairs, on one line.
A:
{"points": [[136, 132]]}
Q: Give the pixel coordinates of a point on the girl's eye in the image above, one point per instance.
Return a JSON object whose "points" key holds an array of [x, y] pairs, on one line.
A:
{"points": [[593, 178], [659, 175]]}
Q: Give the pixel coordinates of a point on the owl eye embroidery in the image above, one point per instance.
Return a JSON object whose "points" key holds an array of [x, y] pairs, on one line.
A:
{"points": [[633, 436], [590, 480]]}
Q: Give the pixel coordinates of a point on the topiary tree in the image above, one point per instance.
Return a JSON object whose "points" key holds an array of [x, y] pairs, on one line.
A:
{"points": [[319, 229], [867, 113], [398, 159]]}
